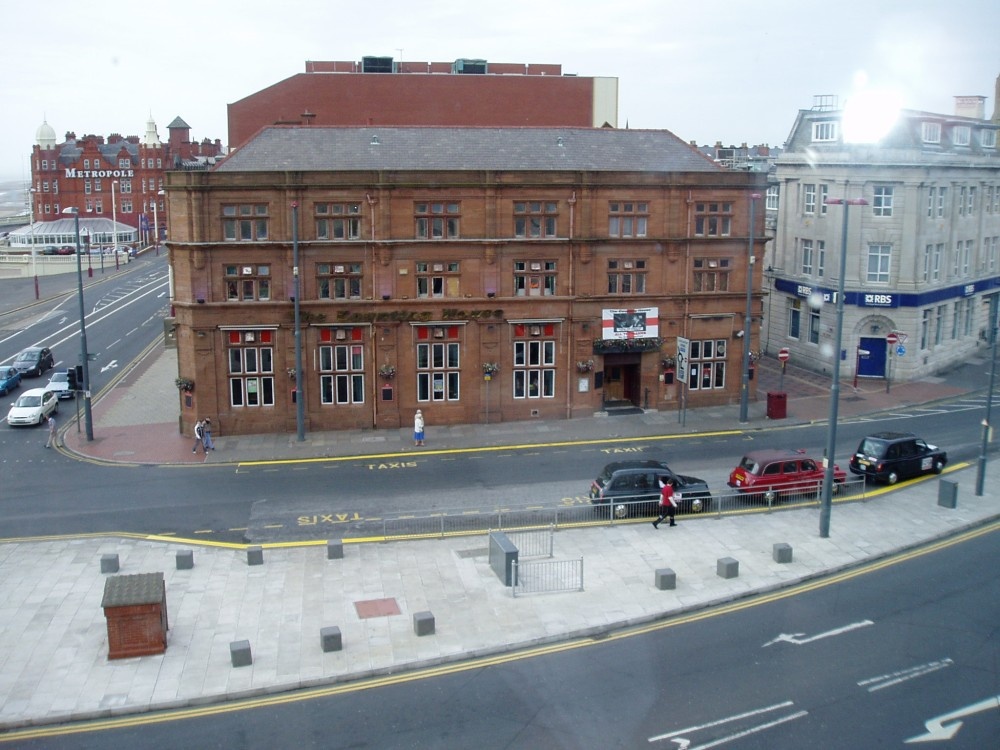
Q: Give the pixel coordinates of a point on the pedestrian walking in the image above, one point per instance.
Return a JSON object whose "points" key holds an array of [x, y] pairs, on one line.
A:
{"points": [[418, 428], [52, 432], [206, 429], [199, 436], [668, 506]]}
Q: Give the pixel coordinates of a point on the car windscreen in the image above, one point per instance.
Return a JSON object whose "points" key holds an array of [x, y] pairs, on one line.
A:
{"points": [[26, 357], [29, 401], [870, 447], [748, 464]]}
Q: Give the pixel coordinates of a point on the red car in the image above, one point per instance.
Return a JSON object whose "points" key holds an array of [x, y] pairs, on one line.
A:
{"points": [[782, 473]]}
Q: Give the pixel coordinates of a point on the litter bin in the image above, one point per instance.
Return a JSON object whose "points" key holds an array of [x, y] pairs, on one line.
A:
{"points": [[777, 404]]}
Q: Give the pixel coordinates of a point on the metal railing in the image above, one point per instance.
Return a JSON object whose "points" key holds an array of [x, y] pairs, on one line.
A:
{"points": [[534, 542], [547, 576]]}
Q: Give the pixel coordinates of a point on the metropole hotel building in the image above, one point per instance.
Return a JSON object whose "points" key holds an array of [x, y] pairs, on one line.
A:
{"points": [[479, 274]]}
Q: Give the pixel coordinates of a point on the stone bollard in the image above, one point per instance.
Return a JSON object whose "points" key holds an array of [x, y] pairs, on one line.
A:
{"points": [[334, 549], [781, 552], [109, 563], [423, 623], [330, 639], [664, 579], [727, 567], [255, 555], [185, 559], [239, 653]]}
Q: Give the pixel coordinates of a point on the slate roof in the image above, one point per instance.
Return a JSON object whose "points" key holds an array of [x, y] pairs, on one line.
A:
{"points": [[309, 149]]}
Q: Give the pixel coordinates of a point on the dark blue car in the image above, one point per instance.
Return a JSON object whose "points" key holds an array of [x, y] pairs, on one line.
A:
{"points": [[10, 378]]}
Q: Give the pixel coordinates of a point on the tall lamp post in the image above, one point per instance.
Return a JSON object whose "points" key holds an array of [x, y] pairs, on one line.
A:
{"points": [[747, 321], [84, 358], [300, 414], [826, 504], [114, 220], [981, 465], [156, 223], [31, 218]]}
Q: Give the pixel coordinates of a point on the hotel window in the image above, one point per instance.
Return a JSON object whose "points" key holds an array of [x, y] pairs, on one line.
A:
{"points": [[711, 274], [99, 206], [437, 279], [961, 135], [626, 276], [55, 186], [928, 255], [824, 130], [824, 193], [125, 186], [534, 360], [248, 283], [251, 368], [338, 221], [794, 318], [878, 264], [126, 205], [437, 221], [535, 218], [87, 187], [534, 278], [882, 204], [967, 258], [807, 257], [809, 199], [930, 132], [45, 162], [708, 365], [712, 219], [45, 186], [956, 259], [244, 223], [339, 280], [124, 163], [942, 198], [97, 185], [931, 198], [970, 206], [89, 207], [820, 258], [86, 163], [988, 138], [159, 163], [342, 366], [771, 198], [438, 363], [627, 219]]}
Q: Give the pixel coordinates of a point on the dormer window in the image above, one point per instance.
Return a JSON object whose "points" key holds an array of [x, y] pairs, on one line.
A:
{"points": [[960, 135], [988, 138], [825, 130], [930, 132]]}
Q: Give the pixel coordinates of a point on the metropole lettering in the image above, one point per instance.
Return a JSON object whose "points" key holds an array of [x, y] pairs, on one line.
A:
{"points": [[88, 174], [408, 316]]}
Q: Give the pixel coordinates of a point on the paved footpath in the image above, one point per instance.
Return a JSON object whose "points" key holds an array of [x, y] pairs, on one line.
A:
{"points": [[54, 664]]}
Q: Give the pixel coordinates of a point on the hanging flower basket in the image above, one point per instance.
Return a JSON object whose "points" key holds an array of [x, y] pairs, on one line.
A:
{"points": [[668, 362], [755, 355], [585, 365], [291, 373], [184, 384], [388, 372], [623, 346], [490, 368]]}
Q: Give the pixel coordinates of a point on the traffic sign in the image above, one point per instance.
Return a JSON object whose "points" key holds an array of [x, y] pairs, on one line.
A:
{"points": [[900, 350], [892, 339], [783, 354]]}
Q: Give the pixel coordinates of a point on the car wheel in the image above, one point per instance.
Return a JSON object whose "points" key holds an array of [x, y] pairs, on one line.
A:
{"points": [[938, 466], [892, 477], [621, 511], [835, 489], [698, 504]]}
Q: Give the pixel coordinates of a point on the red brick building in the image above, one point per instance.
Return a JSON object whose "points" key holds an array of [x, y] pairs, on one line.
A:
{"points": [[381, 91], [118, 177], [479, 274]]}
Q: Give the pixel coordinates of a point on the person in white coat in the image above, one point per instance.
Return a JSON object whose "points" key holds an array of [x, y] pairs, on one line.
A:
{"points": [[418, 428]]}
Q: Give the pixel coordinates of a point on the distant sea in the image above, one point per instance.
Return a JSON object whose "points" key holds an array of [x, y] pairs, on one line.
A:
{"points": [[13, 197]]}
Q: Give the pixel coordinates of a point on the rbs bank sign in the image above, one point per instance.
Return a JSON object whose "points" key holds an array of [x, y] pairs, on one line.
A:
{"points": [[878, 300]]}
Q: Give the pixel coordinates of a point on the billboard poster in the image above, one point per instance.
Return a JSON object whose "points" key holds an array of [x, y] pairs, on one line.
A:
{"points": [[638, 323]]}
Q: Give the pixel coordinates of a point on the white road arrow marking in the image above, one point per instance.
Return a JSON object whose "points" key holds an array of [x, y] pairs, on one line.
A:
{"points": [[112, 365], [682, 744], [718, 722], [936, 729], [798, 640], [888, 680]]}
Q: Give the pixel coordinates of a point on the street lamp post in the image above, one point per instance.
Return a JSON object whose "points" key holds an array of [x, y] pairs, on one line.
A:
{"points": [[156, 224], [300, 414], [747, 322], [114, 221], [981, 464], [31, 218], [826, 503], [84, 358]]}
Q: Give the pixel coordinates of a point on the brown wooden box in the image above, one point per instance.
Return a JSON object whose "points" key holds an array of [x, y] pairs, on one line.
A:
{"points": [[135, 607]]}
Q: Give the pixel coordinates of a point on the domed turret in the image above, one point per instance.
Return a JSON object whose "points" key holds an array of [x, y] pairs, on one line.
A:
{"points": [[45, 136]]}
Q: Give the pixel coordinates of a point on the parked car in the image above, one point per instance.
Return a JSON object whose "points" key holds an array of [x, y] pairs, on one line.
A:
{"points": [[59, 385], [10, 378], [33, 407], [891, 456], [34, 361], [633, 489], [783, 473]]}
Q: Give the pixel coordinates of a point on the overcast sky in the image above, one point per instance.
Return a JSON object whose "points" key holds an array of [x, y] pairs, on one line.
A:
{"points": [[725, 70]]}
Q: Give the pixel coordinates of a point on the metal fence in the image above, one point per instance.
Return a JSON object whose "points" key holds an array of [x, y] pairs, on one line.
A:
{"points": [[534, 542], [584, 513], [547, 576]]}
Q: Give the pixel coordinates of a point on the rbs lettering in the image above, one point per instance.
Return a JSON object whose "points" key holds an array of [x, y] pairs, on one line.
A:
{"points": [[878, 299]]}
